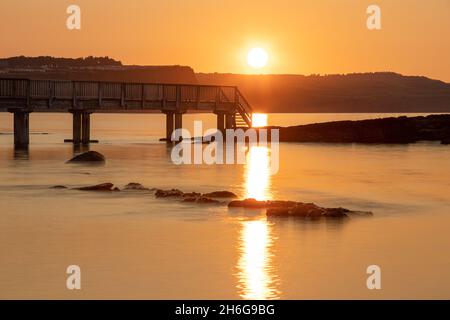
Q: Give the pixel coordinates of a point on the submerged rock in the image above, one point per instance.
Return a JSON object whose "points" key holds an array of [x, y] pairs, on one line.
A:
{"points": [[135, 186], [220, 194], [201, 200], [205, 200], [308, 210], [89, 156], [99, 187], [295, 209], [174, 193], [257, 204], [59, 187], [191, 195]]}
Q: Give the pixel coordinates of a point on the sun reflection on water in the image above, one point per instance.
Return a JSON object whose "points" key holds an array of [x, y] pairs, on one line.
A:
{"points": [[256, 272], [256, 277], [257, 178]]}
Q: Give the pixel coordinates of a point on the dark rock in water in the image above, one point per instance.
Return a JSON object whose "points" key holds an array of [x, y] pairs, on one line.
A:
{"points": [[257, 204], [58, 187], [295, 209], [99, 187], [201, 200], [89, 156], [248, 203], [280, 204], [174, 193], [136, 186], [308, 210], [116, 189], [336, 212], [191, 195], [445, 142], [220, 194], [205, 200]]}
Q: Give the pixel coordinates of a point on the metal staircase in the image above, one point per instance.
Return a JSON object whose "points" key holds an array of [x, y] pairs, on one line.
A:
{"points": [[243, 117]]}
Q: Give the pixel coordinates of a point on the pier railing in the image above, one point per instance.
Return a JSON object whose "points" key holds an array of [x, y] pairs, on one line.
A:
{"points": [[60, 95]]}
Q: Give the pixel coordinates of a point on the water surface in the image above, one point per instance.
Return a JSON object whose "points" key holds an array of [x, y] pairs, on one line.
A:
{"points": [[131, 245]]}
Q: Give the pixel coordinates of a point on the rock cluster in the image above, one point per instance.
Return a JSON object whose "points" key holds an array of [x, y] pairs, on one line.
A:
{"points": [[295, 209], [274, 208], [135, 186]]}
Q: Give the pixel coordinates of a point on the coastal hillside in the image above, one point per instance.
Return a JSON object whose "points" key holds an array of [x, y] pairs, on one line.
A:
{"points": [[359, 92], [92, 68]]}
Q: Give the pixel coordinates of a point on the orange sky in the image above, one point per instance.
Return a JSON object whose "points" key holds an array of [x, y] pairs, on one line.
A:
{"points": [[304, 37]]}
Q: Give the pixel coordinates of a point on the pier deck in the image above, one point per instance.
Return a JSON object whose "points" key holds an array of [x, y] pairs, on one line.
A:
{"points": [[82, 98]]}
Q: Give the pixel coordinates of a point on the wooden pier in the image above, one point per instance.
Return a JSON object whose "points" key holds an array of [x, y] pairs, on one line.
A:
{"points": [[82, 98]]}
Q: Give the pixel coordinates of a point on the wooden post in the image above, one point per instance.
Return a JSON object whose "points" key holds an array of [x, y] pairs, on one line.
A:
{"points": [[100, 94], [221, 122], [21, 129], [76, 127], [143, 95], [179, 121], [86, 127], [230, 122], [169, 126], [122, 95], [74, 94]]}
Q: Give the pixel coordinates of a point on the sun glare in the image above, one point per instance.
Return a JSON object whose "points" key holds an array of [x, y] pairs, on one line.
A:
{"points": [[257, 58], [259, 120]]}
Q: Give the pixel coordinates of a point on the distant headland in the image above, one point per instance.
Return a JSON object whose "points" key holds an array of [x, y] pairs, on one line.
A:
{"points": [[357, 92]]}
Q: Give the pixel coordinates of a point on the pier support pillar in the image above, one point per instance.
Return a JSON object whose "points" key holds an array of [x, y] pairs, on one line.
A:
{"points": [[220, 122], [86, 127], [179, 121], [229, 121], [169, 126], [76, 127], [21, 129]]}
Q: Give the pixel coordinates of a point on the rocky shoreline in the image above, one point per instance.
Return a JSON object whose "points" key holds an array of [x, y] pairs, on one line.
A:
{"points": [[385, 130], [274, 208]]}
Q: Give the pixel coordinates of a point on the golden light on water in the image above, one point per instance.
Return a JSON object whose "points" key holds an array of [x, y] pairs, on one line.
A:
{"points": [[256, 280], [258, 173], [256, 273], [259, 120]]}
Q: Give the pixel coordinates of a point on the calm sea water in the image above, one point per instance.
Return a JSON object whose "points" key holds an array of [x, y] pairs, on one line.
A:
{"points": [[131, 245]]}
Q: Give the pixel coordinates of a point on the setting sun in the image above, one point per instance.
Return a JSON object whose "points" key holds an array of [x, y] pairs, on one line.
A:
{"points": [[257, 58]]}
